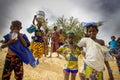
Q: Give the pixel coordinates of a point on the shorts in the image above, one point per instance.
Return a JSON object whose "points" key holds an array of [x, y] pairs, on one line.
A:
{"points": [[70, 71]]}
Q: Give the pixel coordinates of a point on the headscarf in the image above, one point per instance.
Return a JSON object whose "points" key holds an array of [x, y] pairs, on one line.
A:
{"points": [[70, 32], [95, 24]]}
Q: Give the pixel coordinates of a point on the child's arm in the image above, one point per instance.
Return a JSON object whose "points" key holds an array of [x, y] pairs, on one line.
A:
{"points": [[109, 70], [22, 40], [60, 51], [11, 41], [34, 19]]}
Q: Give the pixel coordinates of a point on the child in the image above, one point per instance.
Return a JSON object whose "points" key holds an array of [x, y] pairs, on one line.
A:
{"points": [[61, 38], [38, 40], [54, 41], [94, 56], [71, 52], [18, 52], [116, 54], [112, 43], [46, 39]]}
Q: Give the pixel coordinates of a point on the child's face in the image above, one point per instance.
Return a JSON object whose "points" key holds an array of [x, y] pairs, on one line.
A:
{"points": [[55, 28], [39, 25], [113, 38], [118, 43], [92, 32], [15, 27], [70, 38]]}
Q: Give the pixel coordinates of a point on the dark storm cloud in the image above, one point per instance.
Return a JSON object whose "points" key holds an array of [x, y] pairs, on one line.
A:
{"points": [[109, 7], [111, 10], [5, 6], [3, 14], [108, 10]]}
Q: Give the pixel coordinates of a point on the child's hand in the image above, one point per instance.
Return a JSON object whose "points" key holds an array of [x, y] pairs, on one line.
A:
{"points": [[35, 16], [11, 41], [112, 54]]}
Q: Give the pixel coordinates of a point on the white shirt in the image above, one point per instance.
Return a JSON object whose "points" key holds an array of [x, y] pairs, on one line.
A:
{"points": [[94, 53]]}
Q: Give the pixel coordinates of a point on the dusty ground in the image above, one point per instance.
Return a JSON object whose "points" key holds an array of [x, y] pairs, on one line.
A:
{"points": [[50, 69]]}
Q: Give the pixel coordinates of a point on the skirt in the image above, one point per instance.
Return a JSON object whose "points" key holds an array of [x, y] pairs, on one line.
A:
{"points": [[38, 49]]}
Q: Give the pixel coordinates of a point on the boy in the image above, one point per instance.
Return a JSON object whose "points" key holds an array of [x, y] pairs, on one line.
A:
{"points": [[18, 52]]}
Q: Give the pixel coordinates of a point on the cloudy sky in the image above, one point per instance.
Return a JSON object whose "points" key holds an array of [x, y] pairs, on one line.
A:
{"points": [[84, 10]]}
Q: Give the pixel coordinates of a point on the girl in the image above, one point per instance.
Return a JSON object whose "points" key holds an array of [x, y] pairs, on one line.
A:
{"points": [[71, 52], [94, 58], [37, 45], [54, 41], [61, 38], [46, 39]]}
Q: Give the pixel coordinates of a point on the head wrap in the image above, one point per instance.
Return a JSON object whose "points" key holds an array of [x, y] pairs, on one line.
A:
{"points": [[70, 32], [88, 24]]}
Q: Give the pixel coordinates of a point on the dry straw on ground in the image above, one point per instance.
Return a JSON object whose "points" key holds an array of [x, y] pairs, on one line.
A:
{"points": [[50, 69]]}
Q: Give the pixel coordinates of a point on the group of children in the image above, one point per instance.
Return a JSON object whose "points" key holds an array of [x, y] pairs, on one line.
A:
{"points": [[94, 60], [115, 50]]}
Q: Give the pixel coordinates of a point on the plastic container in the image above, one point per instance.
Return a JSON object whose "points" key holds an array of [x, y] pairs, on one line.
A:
{"points": [[14, 35], [31, 29]]}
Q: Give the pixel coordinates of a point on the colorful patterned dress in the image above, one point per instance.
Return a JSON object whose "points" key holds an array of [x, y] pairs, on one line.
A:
{"points": [[55, 41], [46, 40], [71, 57], [61, 40], [37, 46], [94, 58]]}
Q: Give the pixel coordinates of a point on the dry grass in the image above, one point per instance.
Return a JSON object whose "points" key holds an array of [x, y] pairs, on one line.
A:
{"points": [[50, 69]]}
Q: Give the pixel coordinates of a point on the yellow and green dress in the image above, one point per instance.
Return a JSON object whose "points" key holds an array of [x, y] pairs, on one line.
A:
{"points": [[71, 57], [37, 46]]}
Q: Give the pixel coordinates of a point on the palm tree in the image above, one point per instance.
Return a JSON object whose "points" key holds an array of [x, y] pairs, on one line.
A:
{"points": [[45, 24], [70, 24]]}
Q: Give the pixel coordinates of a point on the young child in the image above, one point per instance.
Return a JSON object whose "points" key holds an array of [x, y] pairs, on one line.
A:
{"points": [[38, 40], [71, 52], [18, 52], [54, 41], [61, 38], [46, 39], [112, 43], [94, 56], [116, 54]]}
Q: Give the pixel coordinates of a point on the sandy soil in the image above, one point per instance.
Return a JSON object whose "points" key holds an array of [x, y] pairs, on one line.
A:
{"points": [[50, 69]]}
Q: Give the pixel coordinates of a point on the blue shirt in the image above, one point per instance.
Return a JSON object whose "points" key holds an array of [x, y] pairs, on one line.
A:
{"points": [[21, 51], [112, 45]]}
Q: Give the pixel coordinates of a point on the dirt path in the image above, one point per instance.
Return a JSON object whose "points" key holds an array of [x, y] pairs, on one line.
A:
{"points": [[50, 69]]}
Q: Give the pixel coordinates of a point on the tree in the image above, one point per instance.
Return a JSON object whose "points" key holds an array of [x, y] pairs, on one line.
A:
{"points": [[70, 24]]}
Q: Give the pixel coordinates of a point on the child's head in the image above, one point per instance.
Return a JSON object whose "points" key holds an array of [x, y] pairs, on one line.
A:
{"points": [[91, 29], [61, 31], [55, 28], [118, 42], [113, 37], [70, 36], [39, 25], [46, 30], [15, 26]]}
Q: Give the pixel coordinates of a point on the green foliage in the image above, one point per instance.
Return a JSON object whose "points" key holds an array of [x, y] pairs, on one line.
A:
{"points": [[70, 24], [66, 25]]}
